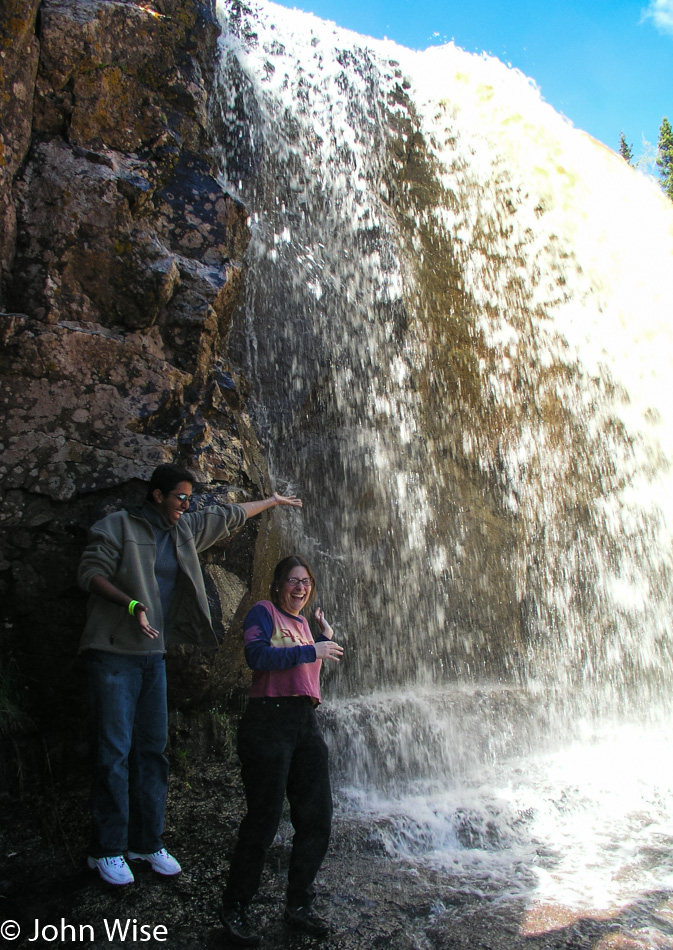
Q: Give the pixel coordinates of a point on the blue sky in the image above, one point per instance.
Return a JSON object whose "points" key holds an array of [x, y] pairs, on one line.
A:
{"points": [[605, 64]]}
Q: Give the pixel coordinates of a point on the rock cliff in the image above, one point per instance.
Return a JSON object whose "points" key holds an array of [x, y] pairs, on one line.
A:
{"points": [[120, 270]]}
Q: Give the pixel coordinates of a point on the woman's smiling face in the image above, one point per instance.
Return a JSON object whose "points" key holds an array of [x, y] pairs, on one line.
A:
{"points": [[296, 590]]}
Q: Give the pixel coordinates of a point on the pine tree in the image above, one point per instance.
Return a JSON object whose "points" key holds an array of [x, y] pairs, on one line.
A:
{"points": [[665, 157], [625, 150]]}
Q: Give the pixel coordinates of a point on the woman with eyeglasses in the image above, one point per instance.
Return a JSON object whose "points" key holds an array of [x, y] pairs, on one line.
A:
{"points": [[282, 751], [141, 568]]}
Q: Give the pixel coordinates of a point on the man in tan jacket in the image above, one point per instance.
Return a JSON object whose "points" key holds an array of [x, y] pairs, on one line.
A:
{"points": [[142, 570]]}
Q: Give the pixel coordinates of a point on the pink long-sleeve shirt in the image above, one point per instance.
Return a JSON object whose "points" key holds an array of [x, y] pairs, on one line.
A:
{"points": [[280, 650]]}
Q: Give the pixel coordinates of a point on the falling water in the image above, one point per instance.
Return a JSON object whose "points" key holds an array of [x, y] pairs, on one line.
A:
{"points": [[458, 324]]}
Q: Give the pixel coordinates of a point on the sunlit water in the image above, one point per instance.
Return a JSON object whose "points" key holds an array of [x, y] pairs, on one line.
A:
{"points": [[585, 822], [458, 327]]}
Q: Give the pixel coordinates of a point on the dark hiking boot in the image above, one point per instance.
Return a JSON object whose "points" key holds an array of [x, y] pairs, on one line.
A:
{"points": [[305, 919], [237, 926]]}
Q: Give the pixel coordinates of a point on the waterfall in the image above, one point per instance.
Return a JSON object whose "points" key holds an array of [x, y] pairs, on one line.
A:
{"points": [[458, 323]]}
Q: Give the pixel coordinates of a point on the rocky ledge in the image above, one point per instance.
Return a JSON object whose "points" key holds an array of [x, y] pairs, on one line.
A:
{"points": [[370, 899]]}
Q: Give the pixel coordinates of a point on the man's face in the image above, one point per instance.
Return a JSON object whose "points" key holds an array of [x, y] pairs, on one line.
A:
{"points": [[174, 503]]}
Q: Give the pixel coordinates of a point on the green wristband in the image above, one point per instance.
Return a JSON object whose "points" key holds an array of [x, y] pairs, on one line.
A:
{"points": [[132, 607]]}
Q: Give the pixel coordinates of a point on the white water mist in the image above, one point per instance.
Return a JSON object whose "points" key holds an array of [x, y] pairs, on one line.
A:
{"points": [[458, 325]]}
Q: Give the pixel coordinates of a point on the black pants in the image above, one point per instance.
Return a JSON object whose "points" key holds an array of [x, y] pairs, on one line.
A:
{"points": [[281, 752]]}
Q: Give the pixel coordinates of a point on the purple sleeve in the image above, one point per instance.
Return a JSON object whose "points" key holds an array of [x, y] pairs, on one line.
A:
{"points": [[260, 654]]}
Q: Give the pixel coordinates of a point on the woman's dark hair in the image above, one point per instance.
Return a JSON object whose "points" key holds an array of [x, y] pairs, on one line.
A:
{"points": [[166, 477], [282, 572]]}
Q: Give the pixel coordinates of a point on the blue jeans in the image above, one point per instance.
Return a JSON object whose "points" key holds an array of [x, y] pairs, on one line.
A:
{"points": [[282, 753], [129, 725]]}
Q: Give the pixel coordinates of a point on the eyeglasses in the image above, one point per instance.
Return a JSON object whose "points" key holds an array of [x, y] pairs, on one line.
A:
{"points": [[296, 581], [181, 496]]}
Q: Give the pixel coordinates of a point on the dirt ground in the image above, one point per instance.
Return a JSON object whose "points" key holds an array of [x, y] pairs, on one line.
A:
{"points": [[51, 899]]}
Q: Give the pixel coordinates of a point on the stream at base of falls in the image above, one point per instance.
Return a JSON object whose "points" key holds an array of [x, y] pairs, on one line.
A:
{"points": [[424, 901], [579, 819]]}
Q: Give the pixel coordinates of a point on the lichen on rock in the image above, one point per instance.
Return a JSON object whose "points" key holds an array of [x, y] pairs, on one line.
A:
{"points": [[120, 270]]}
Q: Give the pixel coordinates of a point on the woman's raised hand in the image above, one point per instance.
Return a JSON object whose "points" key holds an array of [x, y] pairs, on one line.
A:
{"points": [[328, 650], [325, 628]]}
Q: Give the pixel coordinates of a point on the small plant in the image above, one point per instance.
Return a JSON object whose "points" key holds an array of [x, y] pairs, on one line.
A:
{"points": [[224, 732], [13, 718]]}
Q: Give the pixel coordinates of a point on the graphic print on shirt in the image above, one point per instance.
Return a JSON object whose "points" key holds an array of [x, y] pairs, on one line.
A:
{"points": [[286, 637]]}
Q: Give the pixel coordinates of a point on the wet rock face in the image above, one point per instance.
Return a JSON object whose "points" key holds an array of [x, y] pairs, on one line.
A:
{"points": [[119, 73], [120, 268], [19, 49]]}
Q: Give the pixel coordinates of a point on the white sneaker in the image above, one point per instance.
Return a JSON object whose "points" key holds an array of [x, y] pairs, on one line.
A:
{"points": [[113, 870], [162, 862]]}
